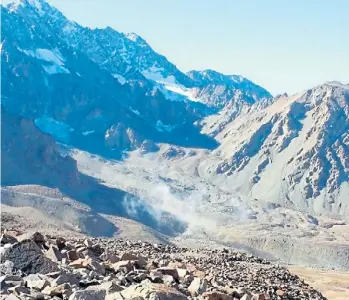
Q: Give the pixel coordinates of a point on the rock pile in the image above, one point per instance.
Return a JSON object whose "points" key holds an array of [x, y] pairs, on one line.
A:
{"points": [[34, 266]]}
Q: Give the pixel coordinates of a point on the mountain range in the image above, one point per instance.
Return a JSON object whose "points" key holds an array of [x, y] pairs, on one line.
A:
{"points": [[87, 93]]}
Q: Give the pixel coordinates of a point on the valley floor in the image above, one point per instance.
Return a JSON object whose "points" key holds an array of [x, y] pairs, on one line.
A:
{"points": [[332, 284]]}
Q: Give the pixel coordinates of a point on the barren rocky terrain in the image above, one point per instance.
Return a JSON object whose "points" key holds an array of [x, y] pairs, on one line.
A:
{"points": [[36, 266]]}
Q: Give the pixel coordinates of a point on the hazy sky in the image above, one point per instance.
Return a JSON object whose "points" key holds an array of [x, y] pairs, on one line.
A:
{"points": [[283, 45]]}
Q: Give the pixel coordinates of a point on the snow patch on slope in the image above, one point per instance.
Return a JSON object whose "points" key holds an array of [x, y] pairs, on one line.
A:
{"points": [[56, 128], [53, 57], [121, 79], [162, 127], [156, 74]]}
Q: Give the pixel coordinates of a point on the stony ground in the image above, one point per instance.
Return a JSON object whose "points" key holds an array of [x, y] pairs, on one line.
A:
{"points": [[34, 266]]}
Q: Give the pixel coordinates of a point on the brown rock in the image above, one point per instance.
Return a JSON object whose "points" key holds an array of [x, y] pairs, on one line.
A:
{"points": [[214, 295], [152, 291], [177, 265], [112, 258], [72, 255], [199, 273], [122, 264], [151, 265], [13, 232], [80, 263], [56, 290], [141, 262]]}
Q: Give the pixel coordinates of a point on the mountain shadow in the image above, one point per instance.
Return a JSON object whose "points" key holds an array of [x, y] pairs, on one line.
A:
{"points": [[29, 156]]}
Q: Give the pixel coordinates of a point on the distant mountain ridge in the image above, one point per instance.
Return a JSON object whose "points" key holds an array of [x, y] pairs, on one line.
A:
{"points": [[128, 57]]}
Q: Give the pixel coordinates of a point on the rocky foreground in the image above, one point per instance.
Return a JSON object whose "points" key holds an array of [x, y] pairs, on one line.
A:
{"points": [[34, 266]]}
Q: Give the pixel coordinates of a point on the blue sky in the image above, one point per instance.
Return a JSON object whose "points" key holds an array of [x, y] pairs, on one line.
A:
{"points": [[285, 46]]}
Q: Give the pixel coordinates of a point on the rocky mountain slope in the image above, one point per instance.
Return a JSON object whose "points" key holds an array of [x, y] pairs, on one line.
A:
{"points": [[114, 90], [77, 100], [45, 267], [219, 90], [294, 152], [35, 174]]}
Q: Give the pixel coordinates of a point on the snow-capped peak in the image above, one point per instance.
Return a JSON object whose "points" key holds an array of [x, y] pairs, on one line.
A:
{"points": [[136, 38], [132, 36], [35, 4]]}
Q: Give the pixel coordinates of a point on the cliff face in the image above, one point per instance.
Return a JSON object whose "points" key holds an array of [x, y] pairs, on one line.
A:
{"points": [[29, 156]]}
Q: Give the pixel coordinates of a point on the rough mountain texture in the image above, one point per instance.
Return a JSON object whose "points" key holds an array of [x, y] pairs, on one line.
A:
{"points": [[72, 96], [116, 269], [218, 90], [294, 152], [28, 155], [31, 159]]}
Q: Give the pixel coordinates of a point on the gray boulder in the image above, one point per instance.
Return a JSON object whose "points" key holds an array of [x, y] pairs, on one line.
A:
{"points": [[88, 295], [149, 291], [27, 257]]}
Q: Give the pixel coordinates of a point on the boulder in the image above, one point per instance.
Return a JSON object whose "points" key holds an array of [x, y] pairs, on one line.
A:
{"points": [[109, 287], [141, 262], [97, 267], [19, 290], [88, 295], [7, 267], [54, 254], [80, 263], [36, 237], [123, 264], [65, 278], [182, 272], [214, 295], [59, 290], [197, 287], [88, 243], [7, 239], [169, 271], [7, 281], [27, 257], [60, 243], [72, 255], [260, 296], [12, 297], [151, 292], [247, 296], [38, 284], [112, 258]]}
